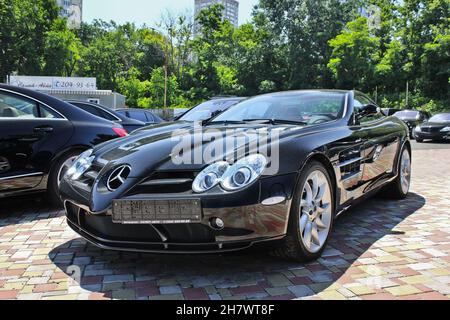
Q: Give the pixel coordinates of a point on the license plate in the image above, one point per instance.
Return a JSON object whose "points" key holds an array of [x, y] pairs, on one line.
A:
{"points": [[156, 211]]}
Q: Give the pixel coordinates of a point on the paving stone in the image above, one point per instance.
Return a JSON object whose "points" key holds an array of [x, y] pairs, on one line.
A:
{"points": [[278, 280], [118, 278], [403, 290], [170, 289], [379, 250], [125, 294], [301, 291]]}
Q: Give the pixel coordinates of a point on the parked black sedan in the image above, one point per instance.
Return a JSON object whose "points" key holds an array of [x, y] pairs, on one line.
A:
{"points": [[40, 136], [276, 168], [149, 118], [412, 118], [107, 113], [437, 128]]}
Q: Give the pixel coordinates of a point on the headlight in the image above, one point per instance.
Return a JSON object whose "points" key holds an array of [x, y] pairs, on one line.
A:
{"points": [[80, 165], [210, 177], [446, 129], [244, 172], [231, 178], [418, 129]]}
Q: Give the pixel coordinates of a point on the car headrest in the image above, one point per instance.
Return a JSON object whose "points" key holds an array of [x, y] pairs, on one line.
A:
{"points": [[8, 113]]}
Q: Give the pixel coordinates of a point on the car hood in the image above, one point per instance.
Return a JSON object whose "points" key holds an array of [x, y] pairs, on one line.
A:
{"points": [[155, 148], [435, 125], [407, 118]]}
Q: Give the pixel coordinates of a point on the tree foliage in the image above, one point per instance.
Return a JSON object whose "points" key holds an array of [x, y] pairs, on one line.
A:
{"points": [[289, 44]]}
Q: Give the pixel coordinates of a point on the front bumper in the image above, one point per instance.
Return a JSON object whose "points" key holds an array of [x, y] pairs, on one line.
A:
{"points": [[432, 135], [244, 227], [245, 224]]}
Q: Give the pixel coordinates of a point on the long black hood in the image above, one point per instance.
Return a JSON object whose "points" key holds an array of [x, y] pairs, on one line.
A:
{"points": [[182, 146]]}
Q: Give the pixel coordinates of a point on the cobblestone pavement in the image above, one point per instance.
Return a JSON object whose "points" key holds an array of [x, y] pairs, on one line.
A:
{"points": [[378, 250]]}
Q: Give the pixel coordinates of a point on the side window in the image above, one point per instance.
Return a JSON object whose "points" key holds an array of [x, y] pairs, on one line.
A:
{"points": [[150, 117], [90, 109], [12, 106], [108, 116], [47, 113], [18, 107], [138, 115]]}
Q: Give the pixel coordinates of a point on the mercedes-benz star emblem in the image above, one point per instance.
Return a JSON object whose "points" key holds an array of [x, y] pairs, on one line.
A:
{"points": [[118, 177]]}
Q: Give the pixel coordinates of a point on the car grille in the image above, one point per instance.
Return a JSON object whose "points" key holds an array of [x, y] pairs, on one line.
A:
{"points": [[431, 129], [87, 180], [166, 183]]}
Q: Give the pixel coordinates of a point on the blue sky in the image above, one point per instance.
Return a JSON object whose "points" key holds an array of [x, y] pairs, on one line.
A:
{"points": [[147, 11]]}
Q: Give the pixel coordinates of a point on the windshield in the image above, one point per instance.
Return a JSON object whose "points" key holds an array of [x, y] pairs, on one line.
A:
{"points": [[445, 117], [406, 114], [207, 109], [308, 107]]}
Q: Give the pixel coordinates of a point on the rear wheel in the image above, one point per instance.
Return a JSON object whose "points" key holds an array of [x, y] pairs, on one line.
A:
{"points": [[311, 217], [399, 188], [56, 175]]}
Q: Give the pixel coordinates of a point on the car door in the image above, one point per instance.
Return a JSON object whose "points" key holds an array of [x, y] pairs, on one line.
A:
{"points": [[30, 136], [380, 146]]}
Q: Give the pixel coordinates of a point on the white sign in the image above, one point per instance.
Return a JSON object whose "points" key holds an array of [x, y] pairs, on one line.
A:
{"points": [[54, 83]]}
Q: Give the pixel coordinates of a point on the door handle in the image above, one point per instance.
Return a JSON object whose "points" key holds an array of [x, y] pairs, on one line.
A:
{"points": [[46, 129], [359, 140]]}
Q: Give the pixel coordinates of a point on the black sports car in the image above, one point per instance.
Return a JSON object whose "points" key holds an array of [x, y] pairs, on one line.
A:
{"points": [[40, 136], [437, 128], [106, 113], [275, 168], [412, 118]]}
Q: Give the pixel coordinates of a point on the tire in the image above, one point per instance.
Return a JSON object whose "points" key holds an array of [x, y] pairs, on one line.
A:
{"points": [[57, 172], [309, 223], [419, 140], [399, 188]]}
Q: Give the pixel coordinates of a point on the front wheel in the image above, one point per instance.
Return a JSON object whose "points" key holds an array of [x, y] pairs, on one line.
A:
{"points": [[418, 140], [311, 217]]}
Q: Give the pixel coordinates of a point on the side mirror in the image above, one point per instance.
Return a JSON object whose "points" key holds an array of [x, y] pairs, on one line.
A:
{"points": [[367, 111]]}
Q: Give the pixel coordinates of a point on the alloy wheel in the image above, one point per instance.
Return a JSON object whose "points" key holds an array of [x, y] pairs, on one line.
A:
{"points": [[315, 211], [405, 171]]}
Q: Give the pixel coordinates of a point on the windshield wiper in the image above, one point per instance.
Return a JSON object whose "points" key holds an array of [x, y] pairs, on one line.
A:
{"points": [[277, 121], [225, 122]]}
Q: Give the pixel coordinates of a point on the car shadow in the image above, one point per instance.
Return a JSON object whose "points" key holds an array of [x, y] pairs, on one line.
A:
{"points": [[245, 274], [25, 209]]}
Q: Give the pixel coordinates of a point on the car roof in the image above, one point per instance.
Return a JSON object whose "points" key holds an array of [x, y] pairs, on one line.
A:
{"points": [[90, 103], [62, 107], [133, 109], [443, 114]]}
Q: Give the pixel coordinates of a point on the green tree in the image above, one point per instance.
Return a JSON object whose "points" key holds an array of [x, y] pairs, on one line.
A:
{"points": [[353, 58], [24, 24], [62, 50]]}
